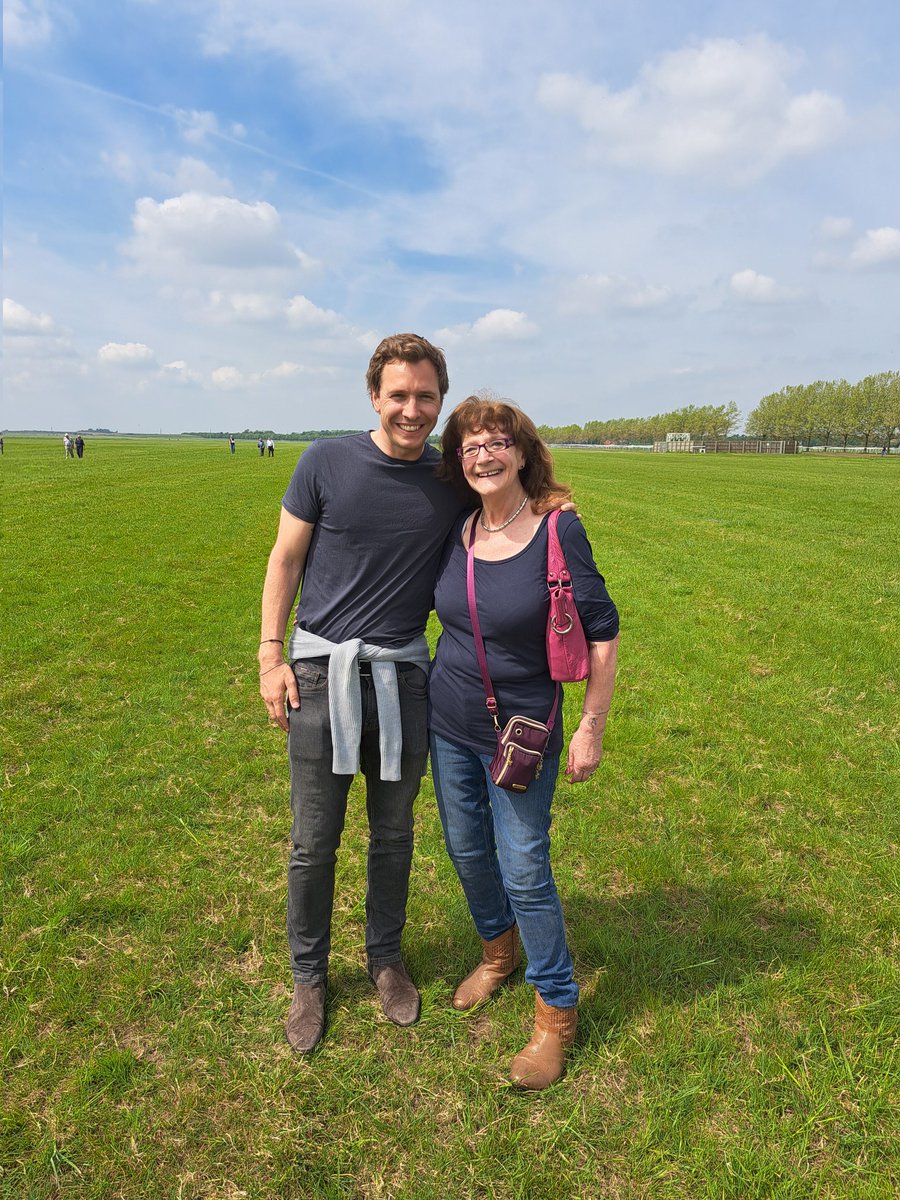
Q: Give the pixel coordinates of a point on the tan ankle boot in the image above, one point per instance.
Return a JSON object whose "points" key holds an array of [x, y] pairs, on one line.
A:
{"points": [[543, 1060], [499, 958]]}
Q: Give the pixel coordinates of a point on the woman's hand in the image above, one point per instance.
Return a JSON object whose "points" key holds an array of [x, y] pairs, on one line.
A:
{"points": [[585, 749], [586, 746]]}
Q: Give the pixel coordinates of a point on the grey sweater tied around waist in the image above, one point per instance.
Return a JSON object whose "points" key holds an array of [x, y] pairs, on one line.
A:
{"points": [[344, 701]]}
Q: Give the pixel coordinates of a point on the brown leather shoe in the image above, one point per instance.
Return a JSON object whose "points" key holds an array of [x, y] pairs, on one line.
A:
{"points": [[543, 1060], [306, 1019], [499, 958], [397, 992]]}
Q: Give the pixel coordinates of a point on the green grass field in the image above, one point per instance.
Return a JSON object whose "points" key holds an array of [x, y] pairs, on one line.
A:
{"points": [[729, 877]]}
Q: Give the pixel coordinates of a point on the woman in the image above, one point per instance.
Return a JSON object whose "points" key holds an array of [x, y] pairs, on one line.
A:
{"points": [[498, 841]]}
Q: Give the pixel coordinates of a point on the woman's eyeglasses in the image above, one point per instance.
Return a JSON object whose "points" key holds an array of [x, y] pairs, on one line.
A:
{"points": [[495, 446]]}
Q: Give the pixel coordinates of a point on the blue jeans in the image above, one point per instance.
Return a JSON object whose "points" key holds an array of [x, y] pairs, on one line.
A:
{"points": [[499, 842], [319, 806]]}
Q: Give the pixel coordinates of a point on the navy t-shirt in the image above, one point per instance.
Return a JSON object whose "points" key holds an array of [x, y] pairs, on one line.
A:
{"points": [[381, 524], [513, 603]]}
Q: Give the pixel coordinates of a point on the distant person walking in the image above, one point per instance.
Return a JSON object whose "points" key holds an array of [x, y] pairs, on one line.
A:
{"points": [[68, 445], [262, 447], [1, 445], [79, 445], [231, 442], [270, 446]]}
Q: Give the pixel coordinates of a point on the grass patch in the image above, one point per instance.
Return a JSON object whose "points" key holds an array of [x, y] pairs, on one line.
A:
{"points": [[729, 877]]}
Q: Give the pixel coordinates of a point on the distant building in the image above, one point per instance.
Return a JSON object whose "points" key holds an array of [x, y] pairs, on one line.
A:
{"points": [[685, 443]]}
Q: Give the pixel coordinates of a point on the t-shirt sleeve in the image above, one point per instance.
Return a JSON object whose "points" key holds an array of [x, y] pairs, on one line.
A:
{"points": [[303, 498], [598, 613]]}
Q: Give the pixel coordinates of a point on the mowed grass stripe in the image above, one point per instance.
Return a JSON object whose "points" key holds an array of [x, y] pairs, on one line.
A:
{"points": [[729, 878]]}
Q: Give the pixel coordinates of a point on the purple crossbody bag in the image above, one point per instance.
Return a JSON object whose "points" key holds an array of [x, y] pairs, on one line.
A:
{"points": [[522, 741]]}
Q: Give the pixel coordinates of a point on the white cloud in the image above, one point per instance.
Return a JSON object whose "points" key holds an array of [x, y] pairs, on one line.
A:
{"points": [[283, 371], [231, 378], [26, 22], [302, 312], [121, 164], [498, 325], [126, 354], [17, 319], [877, 247], [835, 229], [502, 324], [194, 175], [196, 126], [35, 339], [179, 372], [808, 123], [189, 174], [722, 108], [589, 292], [228, 377], [245, 306], [759, 289], [750, 285], [213, 231]]}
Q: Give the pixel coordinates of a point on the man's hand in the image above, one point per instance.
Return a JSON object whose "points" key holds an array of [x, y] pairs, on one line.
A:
{"points": [[276, 683], [283, 575]]}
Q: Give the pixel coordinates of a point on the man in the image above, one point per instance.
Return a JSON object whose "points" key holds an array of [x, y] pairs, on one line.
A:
{"points": [[363, 523]]}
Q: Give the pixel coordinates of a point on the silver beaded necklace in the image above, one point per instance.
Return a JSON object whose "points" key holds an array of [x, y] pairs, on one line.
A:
{"points": [[508, 521]]}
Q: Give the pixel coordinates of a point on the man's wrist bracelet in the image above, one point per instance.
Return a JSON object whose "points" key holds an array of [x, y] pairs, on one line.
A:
{"points": [[269, 669], [599, 713], [280, 641]]}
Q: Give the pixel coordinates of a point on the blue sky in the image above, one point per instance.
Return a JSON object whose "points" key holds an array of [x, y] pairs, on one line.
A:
{"points": [[214, 210]]}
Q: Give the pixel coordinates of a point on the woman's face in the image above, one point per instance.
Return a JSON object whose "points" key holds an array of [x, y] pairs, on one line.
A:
{"points": [[491, 467]]}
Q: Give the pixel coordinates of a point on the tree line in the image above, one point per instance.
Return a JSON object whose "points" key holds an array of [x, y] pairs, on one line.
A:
{"points": [[253, 435], [704, 421], [822, 412], [863, 412]]}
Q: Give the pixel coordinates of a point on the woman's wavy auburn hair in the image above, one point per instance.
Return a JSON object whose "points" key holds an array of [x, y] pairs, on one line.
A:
{"points": [[477, 414]]}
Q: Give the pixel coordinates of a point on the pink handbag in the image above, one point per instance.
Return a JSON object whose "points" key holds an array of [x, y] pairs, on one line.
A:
{"points": [[567, 649]]}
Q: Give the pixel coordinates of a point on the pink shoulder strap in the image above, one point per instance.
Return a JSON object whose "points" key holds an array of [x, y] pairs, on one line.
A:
{"points": [[557, 571]]}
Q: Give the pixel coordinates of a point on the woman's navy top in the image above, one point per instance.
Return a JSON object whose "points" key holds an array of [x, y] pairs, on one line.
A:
{"points": [[513, 603]]}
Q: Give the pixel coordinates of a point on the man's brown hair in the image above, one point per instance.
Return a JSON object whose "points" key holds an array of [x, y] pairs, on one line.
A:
{"points": [[411, 348]]}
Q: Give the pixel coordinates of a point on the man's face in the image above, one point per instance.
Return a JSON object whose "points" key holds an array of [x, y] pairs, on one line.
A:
{"points": [[409, 404]]}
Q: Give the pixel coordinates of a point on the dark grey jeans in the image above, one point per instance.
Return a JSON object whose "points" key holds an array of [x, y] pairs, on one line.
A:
{"points": [[319, 805]]}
